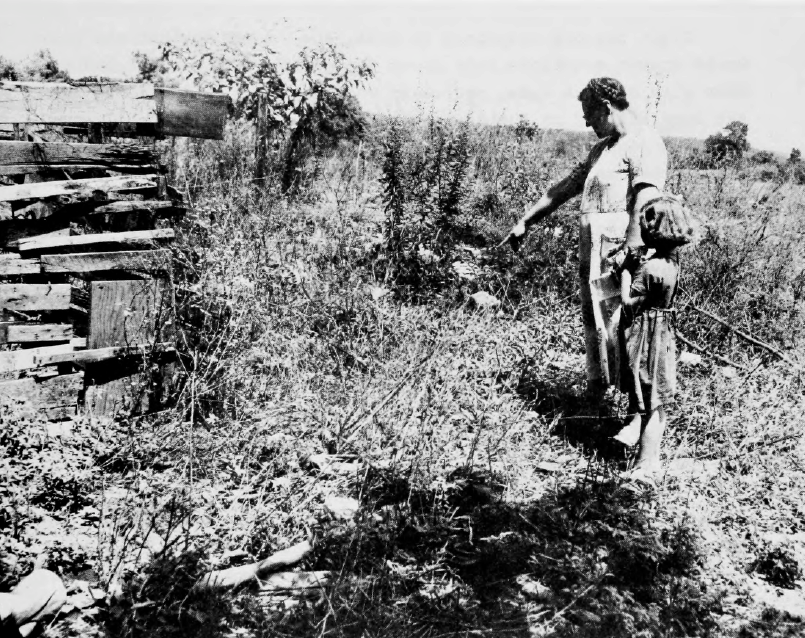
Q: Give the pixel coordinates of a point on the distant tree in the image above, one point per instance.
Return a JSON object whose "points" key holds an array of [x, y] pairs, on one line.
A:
{"points": [[42, 67], [728, 147], [795, 157], [736, 133], [526, 129], [150, 69], [8, 70], [763, 157]]}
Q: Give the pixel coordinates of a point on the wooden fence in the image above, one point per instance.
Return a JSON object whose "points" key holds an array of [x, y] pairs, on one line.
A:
{"points": [[86, 219]]}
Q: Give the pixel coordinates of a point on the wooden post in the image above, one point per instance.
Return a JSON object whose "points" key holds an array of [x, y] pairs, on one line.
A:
{"points": [[260, 139], [95, 135]]}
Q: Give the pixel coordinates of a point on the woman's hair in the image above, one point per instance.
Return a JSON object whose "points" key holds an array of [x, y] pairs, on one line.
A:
{"points": [[600, 89]]}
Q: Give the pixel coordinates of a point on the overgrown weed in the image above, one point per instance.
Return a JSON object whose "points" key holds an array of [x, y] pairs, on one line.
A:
{"points": [[490, 505]]}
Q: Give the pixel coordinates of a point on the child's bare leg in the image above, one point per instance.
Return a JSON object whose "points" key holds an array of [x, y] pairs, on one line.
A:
{"points": [[649, 456]]}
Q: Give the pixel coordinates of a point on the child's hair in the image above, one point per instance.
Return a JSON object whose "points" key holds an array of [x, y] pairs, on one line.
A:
{"points": [[665, 222]]}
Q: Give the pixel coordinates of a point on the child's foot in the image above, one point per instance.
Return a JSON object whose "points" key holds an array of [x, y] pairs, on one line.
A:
{"points": [[630, 433]]}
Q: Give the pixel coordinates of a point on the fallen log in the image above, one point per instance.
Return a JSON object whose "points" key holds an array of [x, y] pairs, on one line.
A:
{"points": [[235, 576], [742, 334], [704, 351]]}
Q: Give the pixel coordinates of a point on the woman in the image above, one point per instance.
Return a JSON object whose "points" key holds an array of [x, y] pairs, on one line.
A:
{"points": [[623, 171]]}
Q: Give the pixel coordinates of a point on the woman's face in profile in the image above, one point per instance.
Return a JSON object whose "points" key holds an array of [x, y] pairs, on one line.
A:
{"points": [[596, 116]]}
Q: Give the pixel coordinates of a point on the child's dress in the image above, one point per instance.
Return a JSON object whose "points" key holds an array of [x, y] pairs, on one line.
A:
{"points": [[648, 336]]}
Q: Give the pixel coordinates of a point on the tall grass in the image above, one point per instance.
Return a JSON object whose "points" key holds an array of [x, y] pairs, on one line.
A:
{"points": [[338, 321]]}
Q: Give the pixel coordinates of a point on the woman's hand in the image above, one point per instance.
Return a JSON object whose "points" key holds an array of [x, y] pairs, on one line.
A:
{"points": [[515, 236]]}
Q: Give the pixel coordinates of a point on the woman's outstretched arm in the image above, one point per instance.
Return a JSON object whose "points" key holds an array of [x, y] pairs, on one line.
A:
{"points": [[553, 198]]}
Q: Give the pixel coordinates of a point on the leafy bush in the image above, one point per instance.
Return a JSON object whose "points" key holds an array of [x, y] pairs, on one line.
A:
{"points": [[304, 104]]}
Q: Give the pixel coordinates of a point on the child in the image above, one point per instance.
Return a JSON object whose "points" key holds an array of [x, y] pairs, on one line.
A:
{"points": [[647, 329]]}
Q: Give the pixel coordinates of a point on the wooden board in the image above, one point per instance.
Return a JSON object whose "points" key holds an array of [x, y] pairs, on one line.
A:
{"points": [[61, 233], [130, 207], [50, 394], [66, 169], [122, 313], [35, 296], [128, 312], [66, 155], [14, 265], [53, 391], [19, 332], [145, 261], [11, 232], [18, 360], [95, 355], [117, 396], [192, 114], [77, 189], [130, 239], [57, 103]]}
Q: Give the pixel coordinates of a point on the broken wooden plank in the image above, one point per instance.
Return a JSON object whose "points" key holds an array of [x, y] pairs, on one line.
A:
{"points": [[22, 390], [192, 114], [13, 231], [99, 354], [19, 332], [116, 396], [76, 189], [131, 239], [61, 390], [50, 154], [50, 392], [35, 296], [132, 207], [234, 576], [15, 265], [81, 203], [60, 233], [123, 312], [146, 261], [58, 103], [18, 360], [31, 169]]}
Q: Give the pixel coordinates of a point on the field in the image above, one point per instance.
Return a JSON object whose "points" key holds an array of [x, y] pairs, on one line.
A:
{"points": [[333, 349]]}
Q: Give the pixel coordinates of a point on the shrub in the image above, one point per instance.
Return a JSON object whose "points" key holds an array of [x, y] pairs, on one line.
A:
{"points": [[778, 565], [424, 190]]}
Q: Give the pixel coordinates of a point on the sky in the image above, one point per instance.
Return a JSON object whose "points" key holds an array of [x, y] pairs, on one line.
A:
{"points": [[713, 62]]}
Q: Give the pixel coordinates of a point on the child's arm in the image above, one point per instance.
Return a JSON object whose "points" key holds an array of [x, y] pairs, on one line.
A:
{"points": [[627, 299]]}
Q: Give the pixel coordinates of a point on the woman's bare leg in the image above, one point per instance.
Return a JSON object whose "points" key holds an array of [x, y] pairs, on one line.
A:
{"points": [[649, 456], [629, 434]]}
